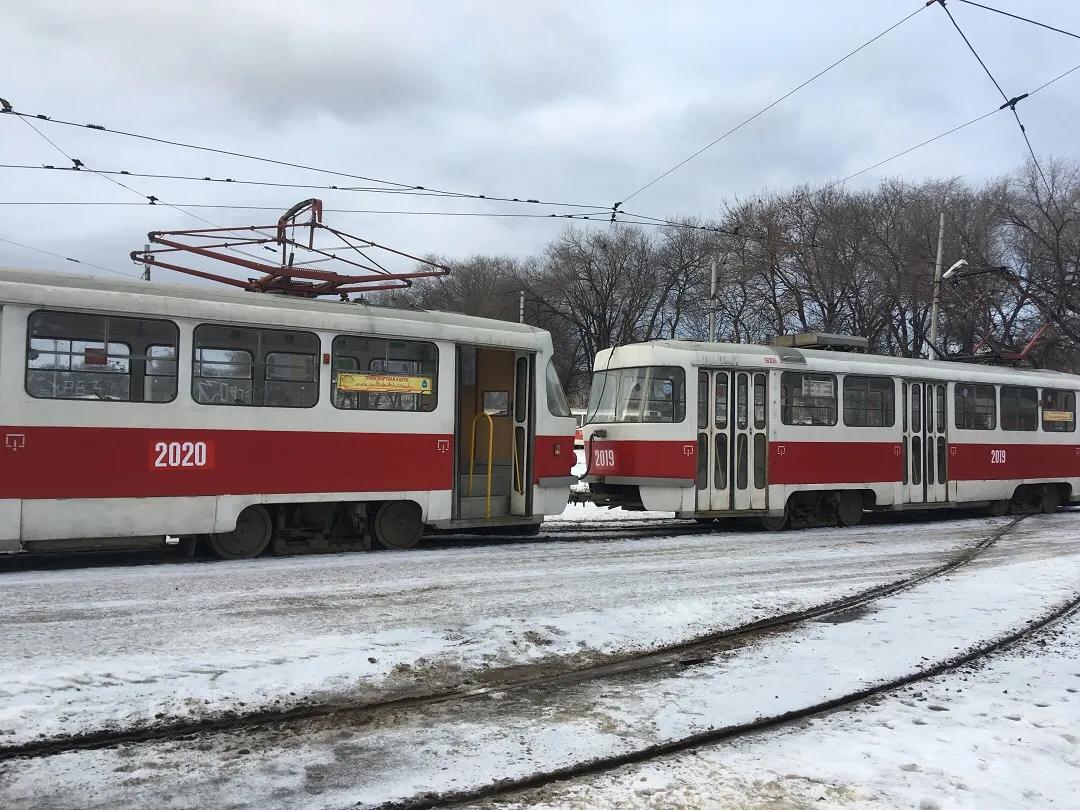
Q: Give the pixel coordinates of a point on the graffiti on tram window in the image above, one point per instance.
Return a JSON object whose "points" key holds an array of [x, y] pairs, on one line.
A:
{"points": [[222, 392], [50, 384]]}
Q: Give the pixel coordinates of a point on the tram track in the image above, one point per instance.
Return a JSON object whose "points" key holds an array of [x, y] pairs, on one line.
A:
{"points": [[681, 654], [553, 532], [511, 789]]}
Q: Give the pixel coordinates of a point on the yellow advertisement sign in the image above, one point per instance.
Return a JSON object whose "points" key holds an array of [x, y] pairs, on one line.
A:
{"points": [[384, 383], [1057, 416]]}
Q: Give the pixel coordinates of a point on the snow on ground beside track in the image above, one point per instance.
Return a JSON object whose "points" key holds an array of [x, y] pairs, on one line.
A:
{"points": [[511, 735], [88, 649], [1001, 734]]}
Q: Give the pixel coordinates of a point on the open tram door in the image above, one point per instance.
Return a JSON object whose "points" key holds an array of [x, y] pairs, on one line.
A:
{"points": [[495, 434], [925, 450], [732, 442]]}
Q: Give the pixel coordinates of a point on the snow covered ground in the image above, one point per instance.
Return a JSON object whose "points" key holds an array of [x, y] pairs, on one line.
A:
{"points": [[82, 650], [932, 747]]}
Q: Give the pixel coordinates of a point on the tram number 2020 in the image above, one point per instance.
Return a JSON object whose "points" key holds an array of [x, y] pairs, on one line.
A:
{"points": [[180, 454], [604, 458], [997, 456]]}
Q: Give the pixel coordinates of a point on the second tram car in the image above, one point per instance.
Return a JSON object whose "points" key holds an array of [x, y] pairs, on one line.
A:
{"points": [[709, 430], [133, 410]]}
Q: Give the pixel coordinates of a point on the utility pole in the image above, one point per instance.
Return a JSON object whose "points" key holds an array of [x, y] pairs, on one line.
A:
{"points": [[521, 308], [934, 355], [712, 303], [146, 265]]}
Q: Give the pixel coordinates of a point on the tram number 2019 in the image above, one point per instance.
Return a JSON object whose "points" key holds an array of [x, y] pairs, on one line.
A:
{"points": [[604, 458], [997, 456], [180, 454]]}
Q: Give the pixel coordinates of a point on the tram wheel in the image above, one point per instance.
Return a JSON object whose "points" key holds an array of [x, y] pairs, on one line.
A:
{"points": [[249, 538], [774, 524], [849, 508], [398, 525], [999, 508], [1051, 499]]}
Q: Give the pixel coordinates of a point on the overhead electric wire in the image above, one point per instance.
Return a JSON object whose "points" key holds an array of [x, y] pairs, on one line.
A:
{"points": [[66, 258], [6, 108], [770, 106], [597, 215], [1022, 19], [153, 200], [1009, 102]]}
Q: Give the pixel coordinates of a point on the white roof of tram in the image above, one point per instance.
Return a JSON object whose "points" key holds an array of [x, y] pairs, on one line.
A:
{"points": [[720, 355], [44, 288]]}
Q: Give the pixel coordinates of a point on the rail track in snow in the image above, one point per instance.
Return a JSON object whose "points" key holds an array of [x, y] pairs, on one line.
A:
{"points": [[684, 654]]}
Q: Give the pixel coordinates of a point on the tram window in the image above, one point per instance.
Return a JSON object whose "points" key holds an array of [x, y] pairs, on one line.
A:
{"points": [[521, 389], [941, 409], [101, 358], [702, 400], [721, 463], [741, 413], [1019, 408], [942, 469], [759, 401], [721, 400], [869, 401], [648, 394], [1059, 411], [976, 406], [376, 374], [556, 397], [271, 368], [159, 382], [807, 399], [703, 461], [759, 460]]}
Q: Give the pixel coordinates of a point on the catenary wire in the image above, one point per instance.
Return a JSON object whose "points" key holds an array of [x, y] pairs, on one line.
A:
{"points": [[764, 110], [1022, 19], [66, 258]]}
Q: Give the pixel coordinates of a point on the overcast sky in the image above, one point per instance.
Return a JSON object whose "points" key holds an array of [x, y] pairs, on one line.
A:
{"points": [[580, 102]]}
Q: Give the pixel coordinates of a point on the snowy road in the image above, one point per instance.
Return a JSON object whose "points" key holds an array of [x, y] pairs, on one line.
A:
{"points": [[457, 746], [111, 647]]}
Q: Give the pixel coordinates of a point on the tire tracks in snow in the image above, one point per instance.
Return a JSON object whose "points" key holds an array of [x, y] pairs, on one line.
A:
{"points": [[685, 653]]}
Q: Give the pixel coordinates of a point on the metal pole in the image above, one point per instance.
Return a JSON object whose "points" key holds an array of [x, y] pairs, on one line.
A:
{"points": [[521, 308], [146, 265], [712, 303], [933, 354]]}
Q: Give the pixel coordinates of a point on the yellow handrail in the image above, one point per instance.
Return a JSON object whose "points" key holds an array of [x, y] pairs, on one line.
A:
{"points": [[472, 457]]}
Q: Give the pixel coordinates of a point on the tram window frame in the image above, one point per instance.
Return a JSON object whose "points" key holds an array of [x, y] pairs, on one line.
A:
{"points": [[129, 367], [1047, 404], [966, 417], [788, 404], [251, 348], [556, 397], [857, 414], [622, 400], [1014, 415], [391, 401]]}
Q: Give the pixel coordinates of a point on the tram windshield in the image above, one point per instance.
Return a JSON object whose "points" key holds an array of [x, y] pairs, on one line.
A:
{"points": [[648, 394]]}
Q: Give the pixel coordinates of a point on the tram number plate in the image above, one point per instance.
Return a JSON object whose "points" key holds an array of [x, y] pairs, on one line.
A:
{"points": [[191, 455], [997, 456], [603, 458]]}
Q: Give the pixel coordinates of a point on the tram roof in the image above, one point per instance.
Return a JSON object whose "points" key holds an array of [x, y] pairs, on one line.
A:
{"points": [[791, 359], [46, 287]]}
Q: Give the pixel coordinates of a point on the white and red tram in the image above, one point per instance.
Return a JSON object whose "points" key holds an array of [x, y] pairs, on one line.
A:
{"points": [[135, 410], [711, 430]]}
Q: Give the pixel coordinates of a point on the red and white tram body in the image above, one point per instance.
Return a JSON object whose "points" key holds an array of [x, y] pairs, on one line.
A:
{"points": [[136, 410], [713, 429]]}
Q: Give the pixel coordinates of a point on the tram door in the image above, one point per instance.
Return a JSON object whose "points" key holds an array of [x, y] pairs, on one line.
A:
{"points": [[925, 441], [732, 444], [523, 434]]}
